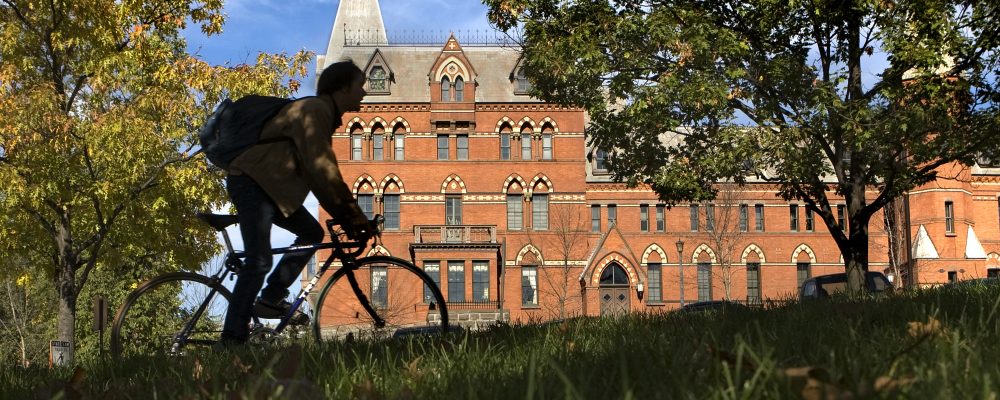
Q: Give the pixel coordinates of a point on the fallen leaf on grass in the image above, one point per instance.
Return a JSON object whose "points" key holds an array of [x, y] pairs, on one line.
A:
{"points": [[413, 370], [930, 328], [885, 384]]}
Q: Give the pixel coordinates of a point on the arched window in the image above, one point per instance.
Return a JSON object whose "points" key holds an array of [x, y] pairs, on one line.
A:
{"points": [[526, 142], [377, 79], [378, 143], [459, 88], [356, 142], [399, 141], [614, 274], [505, 131], [547, 142], [445, 87]]}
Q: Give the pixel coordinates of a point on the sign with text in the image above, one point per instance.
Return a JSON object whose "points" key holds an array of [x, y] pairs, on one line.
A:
{"points": [[60, 353]]}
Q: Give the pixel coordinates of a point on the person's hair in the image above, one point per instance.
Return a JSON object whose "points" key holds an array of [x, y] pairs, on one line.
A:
{"points": [[337, 76]]}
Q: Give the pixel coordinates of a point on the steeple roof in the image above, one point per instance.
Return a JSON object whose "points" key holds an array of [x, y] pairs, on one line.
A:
{"points": [[355, 20]]}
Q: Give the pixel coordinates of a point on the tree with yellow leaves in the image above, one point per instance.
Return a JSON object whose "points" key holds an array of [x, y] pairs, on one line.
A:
{"points": [[101, 104]]}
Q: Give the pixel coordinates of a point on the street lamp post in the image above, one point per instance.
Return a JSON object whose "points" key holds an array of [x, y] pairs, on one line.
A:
{"points": [[680, 263]]}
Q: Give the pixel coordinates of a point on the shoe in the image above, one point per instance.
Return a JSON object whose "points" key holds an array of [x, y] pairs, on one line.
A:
{"points": [[267, 310]]}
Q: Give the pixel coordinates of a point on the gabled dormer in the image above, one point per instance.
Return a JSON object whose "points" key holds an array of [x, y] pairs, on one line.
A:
{"points": [[378, 74], [518, 78], [452, 76]]}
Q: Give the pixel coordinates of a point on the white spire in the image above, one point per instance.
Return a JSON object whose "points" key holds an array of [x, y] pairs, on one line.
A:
{"points": [[923, 247], [355, 19], [973, 249]]}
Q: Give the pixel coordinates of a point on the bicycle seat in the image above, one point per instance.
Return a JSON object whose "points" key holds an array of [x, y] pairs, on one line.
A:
{"points": [[217, 221]]}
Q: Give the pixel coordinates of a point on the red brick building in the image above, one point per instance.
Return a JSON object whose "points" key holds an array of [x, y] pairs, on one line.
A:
{"points": [[497, 195]]}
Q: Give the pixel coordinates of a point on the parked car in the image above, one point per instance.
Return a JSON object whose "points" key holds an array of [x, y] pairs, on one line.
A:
{"points": [[823, 286], [714, 305]]}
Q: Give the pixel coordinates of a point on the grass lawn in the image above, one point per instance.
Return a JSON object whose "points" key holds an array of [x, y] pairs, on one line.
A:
{"points": [[933, 344]]}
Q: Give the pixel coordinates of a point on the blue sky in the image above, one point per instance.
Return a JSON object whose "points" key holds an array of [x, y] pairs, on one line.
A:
{"points": [[276, 26]]}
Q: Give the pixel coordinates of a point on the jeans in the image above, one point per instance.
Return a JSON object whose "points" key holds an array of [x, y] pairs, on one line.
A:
{"points": [[256, 213]]}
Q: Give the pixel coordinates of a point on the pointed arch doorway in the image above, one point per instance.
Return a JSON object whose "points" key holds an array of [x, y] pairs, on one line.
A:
{"points": [[613, 291]]}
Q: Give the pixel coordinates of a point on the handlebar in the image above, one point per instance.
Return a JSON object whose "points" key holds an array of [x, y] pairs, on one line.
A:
{"points": [[338, 235]]}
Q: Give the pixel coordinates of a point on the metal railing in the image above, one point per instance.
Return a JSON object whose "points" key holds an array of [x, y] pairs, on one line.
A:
{"points": [[472, 37], [423, 234]]}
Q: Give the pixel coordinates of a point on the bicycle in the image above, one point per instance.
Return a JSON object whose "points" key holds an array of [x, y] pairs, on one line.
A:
{"points": [[404, 300]]}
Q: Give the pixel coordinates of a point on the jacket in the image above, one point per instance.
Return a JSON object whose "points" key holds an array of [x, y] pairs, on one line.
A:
{"points": [[287, 171]]}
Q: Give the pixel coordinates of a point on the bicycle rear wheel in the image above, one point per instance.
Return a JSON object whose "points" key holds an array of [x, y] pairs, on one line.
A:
{"points": [[154, 316], [399, 293]]}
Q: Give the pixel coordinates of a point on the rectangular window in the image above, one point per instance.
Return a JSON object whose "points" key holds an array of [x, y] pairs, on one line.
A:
{"points": [[803, 271], [514, 212], [841, 217], [540, 212], [661, 221], [753, 283], [525, 146], [600, 161], [367, 204], [456, 281], [810, 220], [644, 217], [380, 287], [704, 281], [442, 145], [758, 210], [546, 147], [612, 214], [744, 218], [793, 217], [400, 147], [453, 210], [505, 146], [595, 218], [529, 286], [378, 143], [655, 291], [390, 209], [694, 218], [463, 147], [480, 281], [433, 269], [710, 217], [949, 217], [356, 147]]}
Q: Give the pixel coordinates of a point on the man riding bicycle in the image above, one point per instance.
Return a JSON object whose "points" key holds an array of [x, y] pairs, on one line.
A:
{"points": [[268, 184]]}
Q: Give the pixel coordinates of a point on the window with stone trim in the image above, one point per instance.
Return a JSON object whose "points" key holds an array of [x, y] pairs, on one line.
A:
{"points": [[753, 283], [445, 89], [380, 286], [433, 269], [644, 217], [459, 89], [540, 211], [456, 281], [480, 281], [803, 271], [529, 285], [655, 277], [515, 212], [949, 217], [704, 281]]}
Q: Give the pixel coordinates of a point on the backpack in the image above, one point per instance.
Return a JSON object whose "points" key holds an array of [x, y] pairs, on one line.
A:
{"points": [[235, 126]]}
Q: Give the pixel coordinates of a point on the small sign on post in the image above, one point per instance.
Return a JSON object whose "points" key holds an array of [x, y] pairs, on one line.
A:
{"points": [[60, 353], [100, 321]]}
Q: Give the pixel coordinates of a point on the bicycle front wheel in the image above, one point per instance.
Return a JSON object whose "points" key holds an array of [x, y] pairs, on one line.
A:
{"points": [[171, 314], [401, 300]]}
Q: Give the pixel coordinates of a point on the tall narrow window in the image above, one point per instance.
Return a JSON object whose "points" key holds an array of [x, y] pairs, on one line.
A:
{"points": [[459, 89], [390, 209], [600, 160], [526, 144], [453, 210], [710, 217], [841, 217], [400, 146], [442, 145], [540, 212], [378, 146], [546, 146], [744, 223], [433, 269], [515, 214], [809, 220], [380, 287], [704, 281], [949, 217], [456, 281], [803, 271], [529, 285], [445, 89], [356, 145], [793, 217], [612, 214], [595, 218], [462, 147], [758, 210], [753, 283], [655, 278], [661, 221], [505, 144], [694, 218], [367, 204], [480, 281], [644, 217]]}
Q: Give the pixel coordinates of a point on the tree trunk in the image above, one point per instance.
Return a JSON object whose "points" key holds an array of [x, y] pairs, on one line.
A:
{"points": [[856, 256], [65, 283]]}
